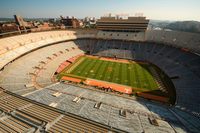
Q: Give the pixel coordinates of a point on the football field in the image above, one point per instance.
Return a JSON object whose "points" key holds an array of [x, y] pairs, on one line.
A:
{"points": [[134, 74]]}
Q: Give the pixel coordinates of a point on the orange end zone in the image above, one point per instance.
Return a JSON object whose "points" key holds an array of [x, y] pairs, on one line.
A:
{"points": [[121, 60], [153, 97], [92, 56], [76, 80], [114, 60], [113, 86]]}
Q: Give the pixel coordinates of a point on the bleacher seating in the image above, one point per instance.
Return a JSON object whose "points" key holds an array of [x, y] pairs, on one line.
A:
{"points": [[173, 61], [187, 40], [22, 115], [185, 65], [162, 48], [35, 68]]}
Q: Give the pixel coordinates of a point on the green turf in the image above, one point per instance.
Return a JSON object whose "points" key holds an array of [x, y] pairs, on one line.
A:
{"points": [[136, 75]]}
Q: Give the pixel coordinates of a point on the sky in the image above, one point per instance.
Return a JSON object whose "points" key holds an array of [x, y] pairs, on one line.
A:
{"points": [[152, 9]]}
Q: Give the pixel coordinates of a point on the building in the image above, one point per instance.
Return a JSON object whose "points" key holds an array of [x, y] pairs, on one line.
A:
{"points": [[131, 24], [23, 24], [89, 22], [8, 27], [70, 22]]}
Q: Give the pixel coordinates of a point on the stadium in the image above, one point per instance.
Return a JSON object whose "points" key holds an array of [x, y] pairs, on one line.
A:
{"points": [[97, 80]]}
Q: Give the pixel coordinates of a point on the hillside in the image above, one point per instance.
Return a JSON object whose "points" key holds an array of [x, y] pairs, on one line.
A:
{"points": [[187, 26]]}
